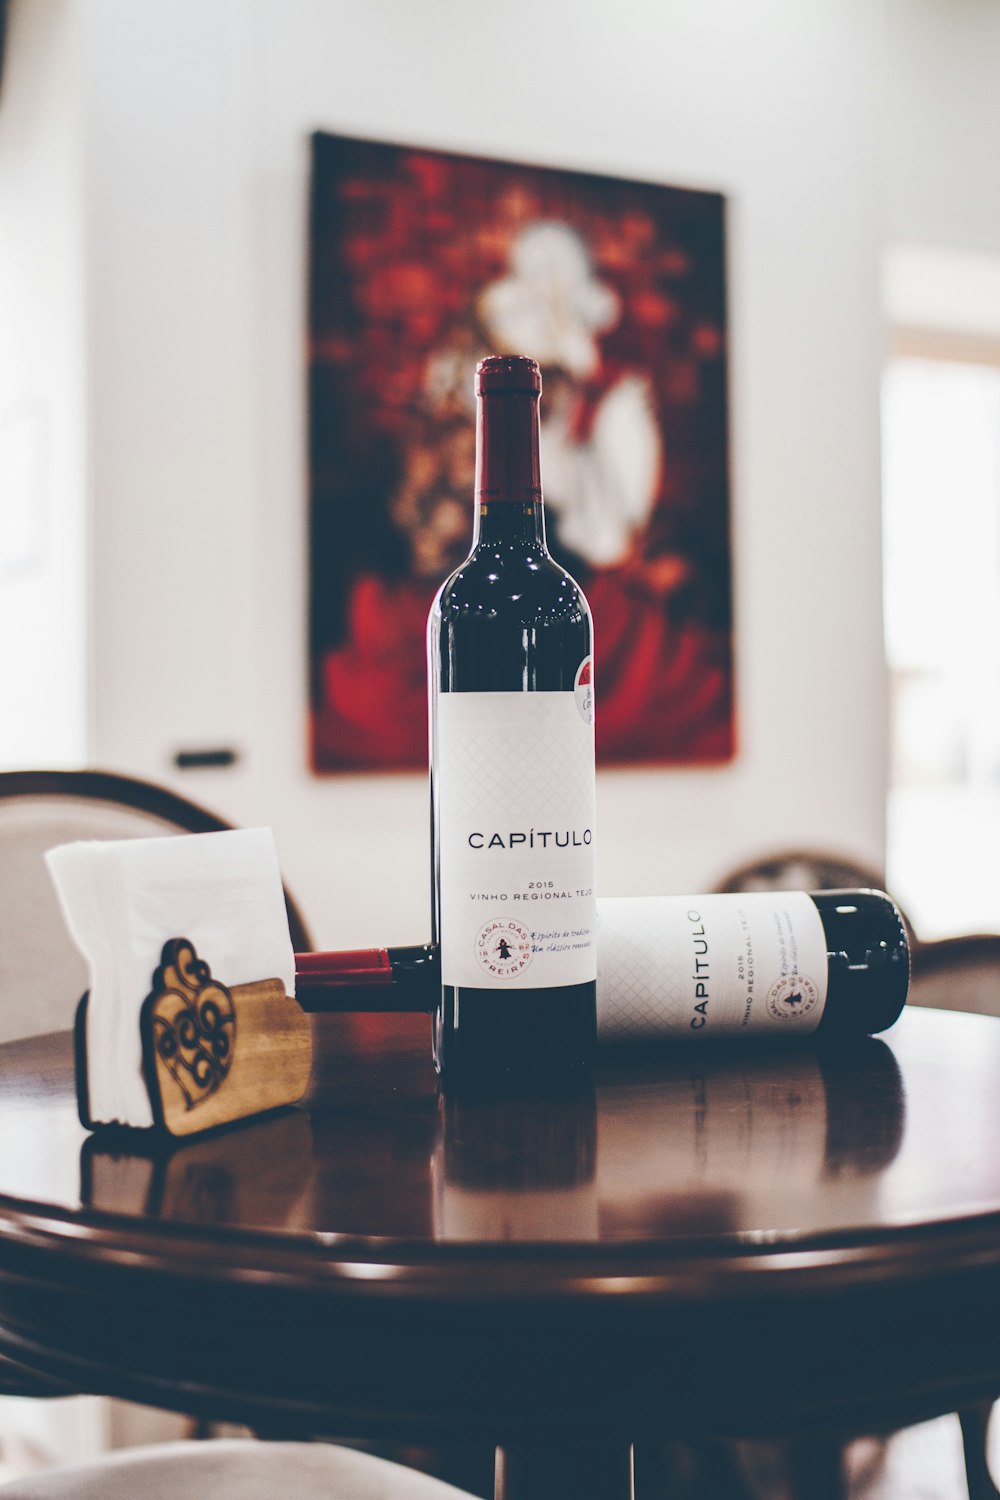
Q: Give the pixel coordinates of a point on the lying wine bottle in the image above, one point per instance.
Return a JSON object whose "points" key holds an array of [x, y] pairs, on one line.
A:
{"points": [[510, 690], [772, 963]]}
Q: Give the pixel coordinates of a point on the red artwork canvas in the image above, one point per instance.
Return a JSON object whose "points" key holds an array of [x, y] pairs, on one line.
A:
{"points": [[422, 262]]}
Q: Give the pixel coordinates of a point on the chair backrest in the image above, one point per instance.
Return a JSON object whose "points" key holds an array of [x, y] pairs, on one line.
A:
{"points": [[802, 870], [42, 975], [957, 973]]}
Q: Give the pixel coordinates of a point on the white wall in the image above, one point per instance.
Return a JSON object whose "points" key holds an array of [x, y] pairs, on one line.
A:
{"points": [[199, 113], [43, 625], [941, 123]]}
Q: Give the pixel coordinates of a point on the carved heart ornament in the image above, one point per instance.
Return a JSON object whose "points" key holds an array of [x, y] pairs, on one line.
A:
{"points": [[193, 1021]]}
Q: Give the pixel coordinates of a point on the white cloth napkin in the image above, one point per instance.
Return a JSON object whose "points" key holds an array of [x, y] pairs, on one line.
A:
{"points": [[123, 900]]}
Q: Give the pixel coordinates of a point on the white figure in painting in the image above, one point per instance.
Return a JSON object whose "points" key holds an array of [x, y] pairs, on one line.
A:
{"points": [[600, 482]]}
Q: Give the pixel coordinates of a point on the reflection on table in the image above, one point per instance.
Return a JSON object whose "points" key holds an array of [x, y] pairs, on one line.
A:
{"points": [[691, 1143]]}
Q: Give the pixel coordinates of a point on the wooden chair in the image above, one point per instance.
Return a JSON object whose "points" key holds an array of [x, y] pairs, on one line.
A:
{"points": [[42, 975], [957, 973], [41, 979], [234, 1469], [802, 870]]}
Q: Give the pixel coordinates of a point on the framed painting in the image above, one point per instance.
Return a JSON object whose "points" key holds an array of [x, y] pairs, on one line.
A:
{"points": [[421, 263]]}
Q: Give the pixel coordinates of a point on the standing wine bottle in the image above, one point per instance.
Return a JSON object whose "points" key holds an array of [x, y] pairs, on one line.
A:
{"points": [[510, 682], [834, 963]]}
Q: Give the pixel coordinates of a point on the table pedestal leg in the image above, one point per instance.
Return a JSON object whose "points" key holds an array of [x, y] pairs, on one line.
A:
{"points": [[586, 1471], [975, 1422], [816, 1468]]}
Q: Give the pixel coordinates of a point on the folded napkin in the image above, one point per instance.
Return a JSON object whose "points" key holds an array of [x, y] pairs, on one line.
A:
{"points": [[123, 900]]}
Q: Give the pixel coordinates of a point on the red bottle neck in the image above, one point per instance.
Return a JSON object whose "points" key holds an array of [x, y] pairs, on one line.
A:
{"points": [[508, 468], [356, 966]]}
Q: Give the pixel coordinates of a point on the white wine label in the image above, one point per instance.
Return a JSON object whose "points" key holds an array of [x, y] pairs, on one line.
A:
{"points": [[514, 785], [702, 966]]}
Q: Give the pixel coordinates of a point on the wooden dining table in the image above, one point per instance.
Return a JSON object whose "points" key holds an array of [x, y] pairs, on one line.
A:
{"points": [[699, 1243]]}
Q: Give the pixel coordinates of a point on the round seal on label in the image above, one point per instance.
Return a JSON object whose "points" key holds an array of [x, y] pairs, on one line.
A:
{"points": [[583, 689], [503, 948], [793, 996]]}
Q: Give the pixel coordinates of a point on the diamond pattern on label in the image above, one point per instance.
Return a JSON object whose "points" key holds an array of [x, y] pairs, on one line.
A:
{"points": [[529, 762], [518, 764], [698, 966]]}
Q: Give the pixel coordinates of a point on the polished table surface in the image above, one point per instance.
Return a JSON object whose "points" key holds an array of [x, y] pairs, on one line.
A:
{"points": [[710, 1242]]}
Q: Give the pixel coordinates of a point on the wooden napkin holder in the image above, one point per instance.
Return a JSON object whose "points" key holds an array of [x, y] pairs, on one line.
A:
{"points": [[212, 1054]]}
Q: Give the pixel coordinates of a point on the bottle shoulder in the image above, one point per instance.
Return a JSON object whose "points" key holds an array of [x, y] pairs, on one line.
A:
{"points": [[508, 583]]}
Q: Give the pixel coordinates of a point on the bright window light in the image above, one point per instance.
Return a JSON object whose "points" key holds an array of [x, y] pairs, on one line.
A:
{"points": [[941, 497]]}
